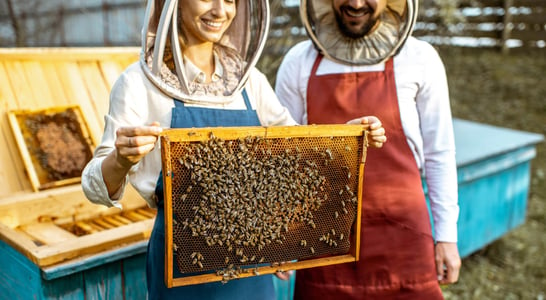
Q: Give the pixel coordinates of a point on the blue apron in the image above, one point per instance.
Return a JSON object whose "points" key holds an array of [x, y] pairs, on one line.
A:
{"points": [[257, 287]]}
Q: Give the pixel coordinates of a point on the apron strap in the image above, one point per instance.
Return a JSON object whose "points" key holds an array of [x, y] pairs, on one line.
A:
{"points": [[179, 103]]}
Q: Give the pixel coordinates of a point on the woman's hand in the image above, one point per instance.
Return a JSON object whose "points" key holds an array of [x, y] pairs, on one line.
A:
{"points": [[376, 132], [133, 143]]}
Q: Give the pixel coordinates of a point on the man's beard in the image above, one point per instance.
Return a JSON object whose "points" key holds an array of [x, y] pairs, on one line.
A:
{"points": [[349, 32]]}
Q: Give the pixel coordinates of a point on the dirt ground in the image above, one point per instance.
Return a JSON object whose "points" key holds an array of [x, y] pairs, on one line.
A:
{"points": [[509, 91]]}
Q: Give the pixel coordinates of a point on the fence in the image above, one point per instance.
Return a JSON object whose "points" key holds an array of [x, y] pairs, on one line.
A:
{"points": [[503, 24]]}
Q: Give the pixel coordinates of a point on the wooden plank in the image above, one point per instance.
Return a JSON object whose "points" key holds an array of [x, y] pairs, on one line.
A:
{"points": [[529, 3], [19, 278], [65, 288], [17, 241], [134, 275], [24, 153], [54, 83], [93, 243], [19, 84], [319, 262], [36, 83], [507, 19], [96, 87], [12, 173], [7, 94], [63, 204], [68, 53], [528, 35], [76, 90], [105, 282], [233, 133], [534, 18], [47, 233], [83, 263]]}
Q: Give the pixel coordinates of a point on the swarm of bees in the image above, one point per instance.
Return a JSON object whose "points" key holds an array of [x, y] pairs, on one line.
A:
{"points": [[242, 195]]}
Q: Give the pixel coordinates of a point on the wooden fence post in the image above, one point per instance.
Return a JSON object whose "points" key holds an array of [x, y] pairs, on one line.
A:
{"points": [[507, 25]]}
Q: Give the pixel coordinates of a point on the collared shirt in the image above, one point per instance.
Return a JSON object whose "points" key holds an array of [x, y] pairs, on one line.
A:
{"points": [[135, 101], [425, 113], [194, 74]]}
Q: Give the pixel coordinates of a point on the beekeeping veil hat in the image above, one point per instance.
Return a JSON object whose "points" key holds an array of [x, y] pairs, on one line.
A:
{"points": [[161, 54], [395, 25]]}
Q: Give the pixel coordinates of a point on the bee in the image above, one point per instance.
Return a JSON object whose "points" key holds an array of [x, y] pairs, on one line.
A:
{"points": [[312, 250]]}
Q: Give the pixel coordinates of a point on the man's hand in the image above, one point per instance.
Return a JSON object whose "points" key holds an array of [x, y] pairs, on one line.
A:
{"points": [[376, 132], [284, 275], [448, 262]]}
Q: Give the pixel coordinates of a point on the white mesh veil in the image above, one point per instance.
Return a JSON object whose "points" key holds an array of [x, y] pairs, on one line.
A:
{"points": [[396, 24], [161, 54]]}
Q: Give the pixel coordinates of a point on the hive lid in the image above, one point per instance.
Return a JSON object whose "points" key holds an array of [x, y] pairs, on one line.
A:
{"points": [[482, 141]]}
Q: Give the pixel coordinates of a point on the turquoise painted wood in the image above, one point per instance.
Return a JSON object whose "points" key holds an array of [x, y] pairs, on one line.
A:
{"points": [[493, 175], [117, 274]]}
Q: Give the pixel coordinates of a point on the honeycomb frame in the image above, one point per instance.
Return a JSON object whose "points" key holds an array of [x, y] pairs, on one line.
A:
{"points": [[248, 201]]}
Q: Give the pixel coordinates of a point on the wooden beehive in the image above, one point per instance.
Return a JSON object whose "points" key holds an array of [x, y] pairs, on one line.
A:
{"points": [[246, 201], [50, 234]]}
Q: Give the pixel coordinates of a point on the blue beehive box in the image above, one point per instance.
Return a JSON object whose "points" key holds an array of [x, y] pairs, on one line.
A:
{"points": [[494, 174]]}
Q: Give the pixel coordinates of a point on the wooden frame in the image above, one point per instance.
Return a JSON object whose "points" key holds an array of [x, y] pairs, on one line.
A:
{"points": [[36, 172], [203, 134]]}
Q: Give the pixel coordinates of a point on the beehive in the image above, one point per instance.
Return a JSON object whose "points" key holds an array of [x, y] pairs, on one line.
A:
{"points": [[54, 243], [246, 201]]}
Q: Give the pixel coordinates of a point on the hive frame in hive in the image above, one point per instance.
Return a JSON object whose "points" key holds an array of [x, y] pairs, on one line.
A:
{"points": [[36, 173], [171, 138]]}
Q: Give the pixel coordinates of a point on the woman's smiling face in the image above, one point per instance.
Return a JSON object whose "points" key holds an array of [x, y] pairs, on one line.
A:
{"points": [[205, 21]]}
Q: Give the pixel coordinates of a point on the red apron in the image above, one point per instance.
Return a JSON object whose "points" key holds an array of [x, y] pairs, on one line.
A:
{"points": [[397, 249]]}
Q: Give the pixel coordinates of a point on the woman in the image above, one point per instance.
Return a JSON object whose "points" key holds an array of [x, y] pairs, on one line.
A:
{"points": [[197, 69]]}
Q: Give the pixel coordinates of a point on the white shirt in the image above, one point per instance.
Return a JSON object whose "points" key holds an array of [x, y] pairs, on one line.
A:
{"points": [[425, 111], [135, 101]]}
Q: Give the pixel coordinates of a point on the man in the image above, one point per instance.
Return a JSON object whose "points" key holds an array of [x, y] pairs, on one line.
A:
{"points": [[361, 60]]}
